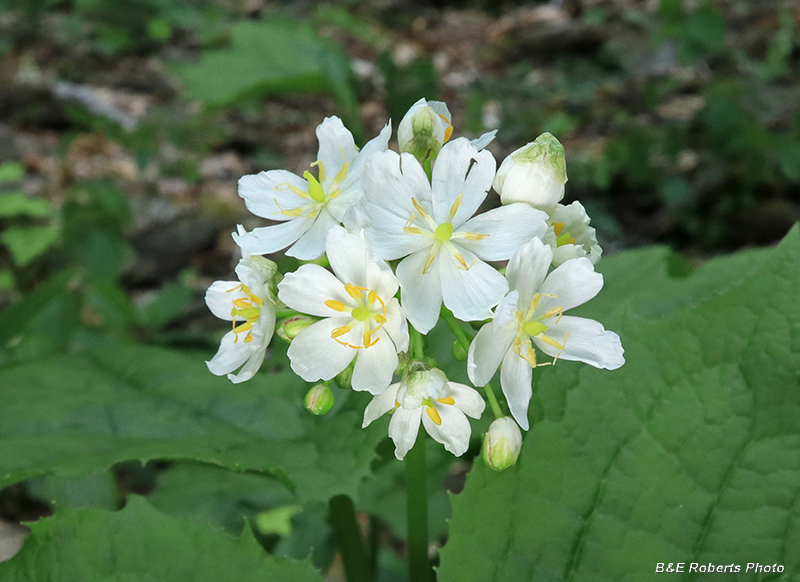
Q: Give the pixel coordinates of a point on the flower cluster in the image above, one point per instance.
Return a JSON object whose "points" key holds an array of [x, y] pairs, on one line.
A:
{"points": [[406, 243]]}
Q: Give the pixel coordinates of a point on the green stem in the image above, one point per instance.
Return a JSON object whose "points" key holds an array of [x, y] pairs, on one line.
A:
{"points": [[417, 346], [463, 339], [496, 410], [419, 566], [348, 536]]}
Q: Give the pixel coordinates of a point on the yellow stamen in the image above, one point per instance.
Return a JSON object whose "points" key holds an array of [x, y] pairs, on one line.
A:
{"points": [[449, 131], [448, 400], [336, 305], [548, 340], [353, 291], [434, 415], [454, 208], [558, 227], [420, 209], [472, 235], [380, 318]]}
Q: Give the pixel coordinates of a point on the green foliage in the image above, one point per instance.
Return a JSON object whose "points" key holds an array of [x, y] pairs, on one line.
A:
{"points": [[688, 453], [139, 543], [81, 413], [267, 58]]}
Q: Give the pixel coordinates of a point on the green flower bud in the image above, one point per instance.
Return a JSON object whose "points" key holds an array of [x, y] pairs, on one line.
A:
{"points": [[319, 400], [291, 326], [459, 353], [344, 379], [501, 445], [424, 129]]}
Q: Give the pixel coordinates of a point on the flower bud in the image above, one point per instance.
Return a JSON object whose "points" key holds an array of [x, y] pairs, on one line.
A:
{"points": [[534, 174], [319, 400], [425, 129], [501, 445], [344, 379], [459, 353], [291, 326]]}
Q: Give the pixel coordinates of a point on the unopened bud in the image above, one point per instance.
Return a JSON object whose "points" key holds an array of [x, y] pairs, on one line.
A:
{"points": [[344, 379], [501, 445], [319, 400], [424, 129], [459, 353], [290, 327], [534, 174]]}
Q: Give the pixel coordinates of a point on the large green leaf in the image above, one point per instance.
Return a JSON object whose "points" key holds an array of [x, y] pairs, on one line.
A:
{"points": [[141, 544], [83, 412], [688, 453], [271, 57]]}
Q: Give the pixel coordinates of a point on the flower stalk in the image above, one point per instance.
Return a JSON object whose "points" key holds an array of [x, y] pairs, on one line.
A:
{"points": [[419, 565]]}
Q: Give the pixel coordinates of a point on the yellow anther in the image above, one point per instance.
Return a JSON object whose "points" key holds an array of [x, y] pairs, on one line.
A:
{"points": [[461, 260], [431, 257], [548, 340], [336, 305], [353, 291], [472, 235], [340, 331], [372, 296], [558, 227], [248, 338], [342, 173], [454, 208], [434, 415], [552, 312], [449, 400], [420, 209], [291, 213], [299, 191], [449, 131], [379, 318], [321, 167]]}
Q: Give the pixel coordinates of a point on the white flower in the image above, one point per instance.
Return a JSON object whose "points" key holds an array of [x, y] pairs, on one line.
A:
{"points": [[308, 206], [248, 303], [569, 234], [534, 174], [431, 224], [362, 318], [533, 312], [427, 397]]}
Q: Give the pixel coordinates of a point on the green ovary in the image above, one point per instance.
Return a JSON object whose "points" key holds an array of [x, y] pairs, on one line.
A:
{"points": [[444, 231], [314, 189], [361, 313], [534, 328]]}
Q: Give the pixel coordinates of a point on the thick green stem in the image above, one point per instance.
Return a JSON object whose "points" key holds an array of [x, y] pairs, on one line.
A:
{"points": [[419, 565], [463, 339], [417, 346], [348, 536]]}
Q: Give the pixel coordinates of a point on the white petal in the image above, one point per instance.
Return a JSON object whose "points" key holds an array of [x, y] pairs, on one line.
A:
{"points": [[573, 283], [311, 245], [336, 145], [379, 143], [527, 269], [232, 353], [380, 405], [348, 255], [509, 227], [315, 355], [460, 169], [390, 181], [588, 342], [403, 429], [220, 296], [309, 287], [250, 367], [468, 400], [484, 140], [453, 433], [506, 310], [266, 240], [396, 325], [421, 294], [267, 193], [375, 365], [470, 294], [487, 350], [515, 380]]}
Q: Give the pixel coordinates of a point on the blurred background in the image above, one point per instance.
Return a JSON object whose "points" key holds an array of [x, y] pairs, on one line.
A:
{"points": [[124, 127]]}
